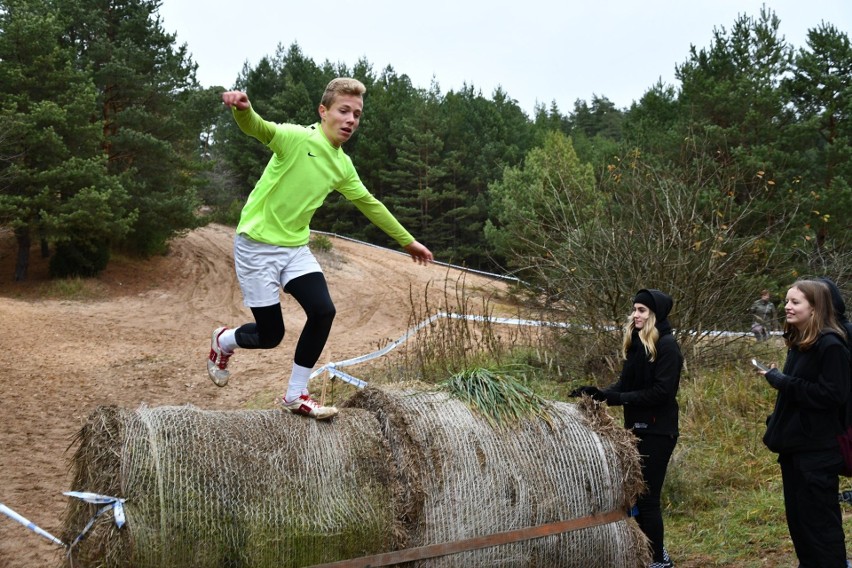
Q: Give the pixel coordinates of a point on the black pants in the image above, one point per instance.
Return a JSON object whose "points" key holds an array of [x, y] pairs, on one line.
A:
{"points": [[311, 291], [655, 452], [813, 510]]}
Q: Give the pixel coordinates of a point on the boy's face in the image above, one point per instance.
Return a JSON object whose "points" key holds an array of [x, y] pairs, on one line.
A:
{"points": [[340, 121]]}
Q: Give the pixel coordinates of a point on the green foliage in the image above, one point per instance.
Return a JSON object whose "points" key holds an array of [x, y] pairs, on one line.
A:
{"points": [[149, 120], [502, 396], [229, 215], [106, 96], [58, 187], [527, 197], [79, 259], [678, 227], [320, 243], [820, 145]]}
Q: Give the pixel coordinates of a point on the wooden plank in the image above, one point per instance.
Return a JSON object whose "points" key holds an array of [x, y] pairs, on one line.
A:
{"points": [[496, 539]]}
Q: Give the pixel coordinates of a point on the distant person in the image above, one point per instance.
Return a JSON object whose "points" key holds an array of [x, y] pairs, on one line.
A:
{"points": [[809, 414], [271, 243], [647, 387], [764, 319]]}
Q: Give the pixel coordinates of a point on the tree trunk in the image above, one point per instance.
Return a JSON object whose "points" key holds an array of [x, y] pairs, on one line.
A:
{"points": [[23, 262]]}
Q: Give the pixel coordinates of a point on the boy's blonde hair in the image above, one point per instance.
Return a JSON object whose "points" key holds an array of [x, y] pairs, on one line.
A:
{"points": [[342, 86]]}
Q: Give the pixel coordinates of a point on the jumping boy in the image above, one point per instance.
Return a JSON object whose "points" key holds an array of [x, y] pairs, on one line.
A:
{"points": [[271, 244]]}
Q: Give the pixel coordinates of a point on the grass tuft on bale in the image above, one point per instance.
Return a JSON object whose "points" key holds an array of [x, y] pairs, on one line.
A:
{"points": [[500, 396]]}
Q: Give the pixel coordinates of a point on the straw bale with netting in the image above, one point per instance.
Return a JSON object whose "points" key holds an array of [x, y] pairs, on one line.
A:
{"points": [[397, 468], [257, 488], [462, 476]]}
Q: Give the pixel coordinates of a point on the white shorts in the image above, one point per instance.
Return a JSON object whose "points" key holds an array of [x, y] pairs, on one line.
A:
{"points": [[263, 270]]}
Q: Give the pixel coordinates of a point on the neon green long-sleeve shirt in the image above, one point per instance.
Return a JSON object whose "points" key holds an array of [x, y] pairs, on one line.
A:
{"points": [[303, 170]]}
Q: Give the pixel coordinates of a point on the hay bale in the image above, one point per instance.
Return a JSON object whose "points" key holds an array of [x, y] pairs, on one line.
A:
{"points": [[240, 488], [397, 468], [462, 478]]}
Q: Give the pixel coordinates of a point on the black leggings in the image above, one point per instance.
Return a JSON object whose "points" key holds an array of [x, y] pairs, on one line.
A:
{"points": [[655, 452], [267, 331]]}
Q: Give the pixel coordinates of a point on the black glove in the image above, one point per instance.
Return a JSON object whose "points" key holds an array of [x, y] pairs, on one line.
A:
{"points": [[613, 398], [580, 391], [775, 378], [594, 392]]}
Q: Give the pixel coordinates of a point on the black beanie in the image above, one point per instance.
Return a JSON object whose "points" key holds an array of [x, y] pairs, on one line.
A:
{"points": [[645, 298]]}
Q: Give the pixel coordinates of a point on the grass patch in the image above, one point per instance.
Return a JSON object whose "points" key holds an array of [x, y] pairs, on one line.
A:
{"points": [[74, 288]]}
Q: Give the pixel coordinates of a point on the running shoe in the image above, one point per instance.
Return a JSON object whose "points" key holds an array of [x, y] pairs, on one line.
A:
{"points": [[217, 361], [306, 406]]}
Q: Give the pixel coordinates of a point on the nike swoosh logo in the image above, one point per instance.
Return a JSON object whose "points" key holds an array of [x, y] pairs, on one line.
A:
{"points": [[312, 155]]}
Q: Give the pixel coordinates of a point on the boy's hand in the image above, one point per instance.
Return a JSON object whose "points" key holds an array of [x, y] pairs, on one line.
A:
{"points": [[236, 99], [419, 253]]}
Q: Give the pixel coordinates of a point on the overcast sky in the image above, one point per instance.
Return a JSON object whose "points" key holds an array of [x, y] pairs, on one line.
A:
{"points": [[536, 50]]}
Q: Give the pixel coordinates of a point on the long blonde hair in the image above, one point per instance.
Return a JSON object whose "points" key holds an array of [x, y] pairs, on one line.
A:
{"points": [[819, 296], [648, 335]]}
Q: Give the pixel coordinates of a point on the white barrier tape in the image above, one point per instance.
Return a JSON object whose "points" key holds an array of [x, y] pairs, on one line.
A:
{"points": [[116, 504], [375, 354], [29, 524], [347, 378], [332, 368]]}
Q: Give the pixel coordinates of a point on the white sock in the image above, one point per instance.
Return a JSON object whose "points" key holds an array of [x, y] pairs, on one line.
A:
{"points": [[228, 341], [298, 384]]}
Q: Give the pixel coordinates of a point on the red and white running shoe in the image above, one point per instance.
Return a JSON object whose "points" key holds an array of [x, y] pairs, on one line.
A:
{"points": [[217, 361], [306, 406]]}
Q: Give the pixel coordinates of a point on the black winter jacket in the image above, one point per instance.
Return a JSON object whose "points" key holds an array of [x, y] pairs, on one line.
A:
{"points": [[840, 313], [812, 390], [648, 389]]}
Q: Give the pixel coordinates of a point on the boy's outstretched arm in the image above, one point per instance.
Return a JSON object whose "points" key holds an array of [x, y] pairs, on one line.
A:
{"points": [[249, 121], [236, 99], [419, 253]]}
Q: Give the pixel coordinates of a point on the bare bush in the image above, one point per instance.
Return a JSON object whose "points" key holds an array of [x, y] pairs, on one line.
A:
{"points": [[680, 228]]}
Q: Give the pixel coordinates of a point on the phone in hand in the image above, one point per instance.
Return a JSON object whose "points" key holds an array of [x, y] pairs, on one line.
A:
{"points": [[759, 365]]}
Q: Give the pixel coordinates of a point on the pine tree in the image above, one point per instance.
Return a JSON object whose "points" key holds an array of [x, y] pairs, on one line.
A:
{"points": [[145, 88], [56, 185]]}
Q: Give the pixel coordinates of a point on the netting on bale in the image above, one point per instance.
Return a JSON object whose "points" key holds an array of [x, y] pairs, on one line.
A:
{"points": [[397, 468], [228, 489], [463, 478]]}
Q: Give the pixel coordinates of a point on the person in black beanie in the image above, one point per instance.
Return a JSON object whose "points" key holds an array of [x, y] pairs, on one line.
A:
{"points": [[840, 316], [839, 308], [809, 414], [647, 387]]}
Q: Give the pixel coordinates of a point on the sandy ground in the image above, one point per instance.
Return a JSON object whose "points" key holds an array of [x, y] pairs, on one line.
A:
{"points": [[140, 334]]}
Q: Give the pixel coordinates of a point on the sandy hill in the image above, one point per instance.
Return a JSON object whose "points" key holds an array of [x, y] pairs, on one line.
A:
{"points": [[140, 334]]}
